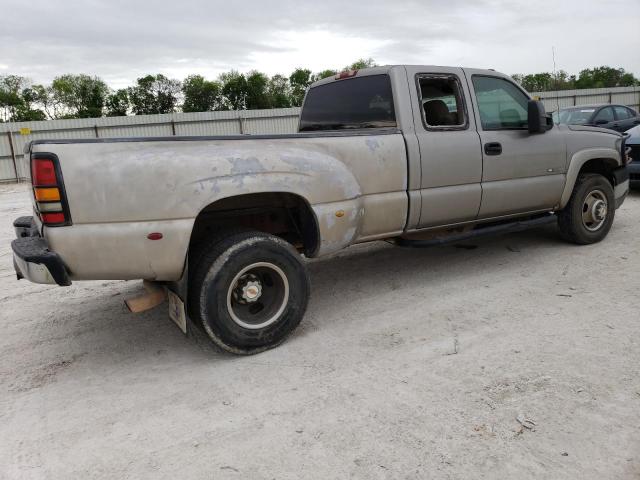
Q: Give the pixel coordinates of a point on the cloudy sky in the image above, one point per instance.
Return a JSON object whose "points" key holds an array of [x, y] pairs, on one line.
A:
{"points": [[120, 40]]}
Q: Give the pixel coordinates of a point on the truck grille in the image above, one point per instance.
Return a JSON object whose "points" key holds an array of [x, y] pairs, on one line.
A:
{"points": [[635, 153]]}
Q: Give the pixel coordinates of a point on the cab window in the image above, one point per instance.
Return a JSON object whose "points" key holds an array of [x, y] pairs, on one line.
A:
{"points": [[622, 113], [441, 101], [501, 104], [355, 103], [605, 115]]}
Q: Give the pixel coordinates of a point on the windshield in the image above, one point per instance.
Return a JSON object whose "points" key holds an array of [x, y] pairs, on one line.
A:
{"points": [[575, 116], [361, 102]]}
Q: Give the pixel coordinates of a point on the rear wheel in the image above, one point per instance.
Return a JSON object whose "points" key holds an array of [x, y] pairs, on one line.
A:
{"points": [[588, 216], [249, 290]]}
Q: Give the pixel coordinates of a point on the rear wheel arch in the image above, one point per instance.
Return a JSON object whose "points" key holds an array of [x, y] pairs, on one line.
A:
{"points": [[283, 214]]}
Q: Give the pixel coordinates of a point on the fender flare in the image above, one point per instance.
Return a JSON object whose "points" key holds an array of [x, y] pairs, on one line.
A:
{"points": [[577, 162]]}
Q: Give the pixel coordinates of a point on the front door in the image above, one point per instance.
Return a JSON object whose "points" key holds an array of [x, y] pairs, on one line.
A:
{"points": [[450, 154], [521, 172]]}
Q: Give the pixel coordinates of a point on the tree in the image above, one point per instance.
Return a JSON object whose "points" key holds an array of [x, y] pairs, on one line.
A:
{"points": [[279, 91], [257, 91], [201, 95], [154, 94], [600, 77], [324, 74], [361, 63], [604, 77], [17, 98], [537, 82], [10, 99], [235, 90], [300, 80], [118, 103], [80, 96]]}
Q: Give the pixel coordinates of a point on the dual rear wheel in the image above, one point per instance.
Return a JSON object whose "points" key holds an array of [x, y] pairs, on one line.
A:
{"points": [[249, 290]]}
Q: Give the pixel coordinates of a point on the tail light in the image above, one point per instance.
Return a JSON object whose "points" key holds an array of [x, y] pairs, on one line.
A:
{"points": [[48, 190]]}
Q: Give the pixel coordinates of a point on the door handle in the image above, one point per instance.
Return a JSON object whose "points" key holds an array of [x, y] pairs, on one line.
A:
{"points": [[493, 148]]}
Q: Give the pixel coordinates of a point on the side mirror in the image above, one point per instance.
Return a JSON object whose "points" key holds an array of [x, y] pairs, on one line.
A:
{"points": [[538, 120]]}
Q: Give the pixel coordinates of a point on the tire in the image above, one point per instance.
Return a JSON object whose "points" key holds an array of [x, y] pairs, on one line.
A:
{"points": [[249, 290], [588, 216]]}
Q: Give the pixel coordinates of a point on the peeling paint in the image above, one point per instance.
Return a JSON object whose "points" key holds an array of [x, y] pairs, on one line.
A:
{"points": [[372, 143]]}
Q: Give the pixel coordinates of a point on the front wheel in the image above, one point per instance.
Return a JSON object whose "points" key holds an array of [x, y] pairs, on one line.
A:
{"points": [[249, 290], [588, 216]]}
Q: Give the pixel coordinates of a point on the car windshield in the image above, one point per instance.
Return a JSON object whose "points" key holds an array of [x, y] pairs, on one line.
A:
{"points": [[575, 116]]}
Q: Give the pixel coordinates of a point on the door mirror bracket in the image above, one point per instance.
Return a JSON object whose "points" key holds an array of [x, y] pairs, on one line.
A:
{"points": [[537, 119]]}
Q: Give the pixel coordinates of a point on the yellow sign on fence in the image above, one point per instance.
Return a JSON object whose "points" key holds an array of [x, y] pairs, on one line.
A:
{"points": [[25, 131]]}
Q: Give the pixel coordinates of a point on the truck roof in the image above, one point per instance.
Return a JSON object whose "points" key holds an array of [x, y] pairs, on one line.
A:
{"points": [[385, 69]]}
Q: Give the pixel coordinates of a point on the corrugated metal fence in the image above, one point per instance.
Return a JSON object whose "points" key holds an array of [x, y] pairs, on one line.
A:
{"points": [[629, 96], [14, 136]]}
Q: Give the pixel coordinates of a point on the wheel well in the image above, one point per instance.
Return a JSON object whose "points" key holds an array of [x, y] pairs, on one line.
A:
{"points": [[285, 215], [602, 166]]}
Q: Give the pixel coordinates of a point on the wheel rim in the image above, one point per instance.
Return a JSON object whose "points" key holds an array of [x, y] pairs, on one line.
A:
{"points": [[258, 295], [595, 209]]}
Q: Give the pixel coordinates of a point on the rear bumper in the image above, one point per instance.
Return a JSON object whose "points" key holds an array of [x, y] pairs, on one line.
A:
{"points": [[32, 258]]}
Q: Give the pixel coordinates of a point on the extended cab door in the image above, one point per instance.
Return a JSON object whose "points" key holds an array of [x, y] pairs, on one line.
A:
{"points": [[521, 172], [450, 152]]}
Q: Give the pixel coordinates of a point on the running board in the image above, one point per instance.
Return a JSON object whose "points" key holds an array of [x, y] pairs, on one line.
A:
{"points": [[516, 226]]}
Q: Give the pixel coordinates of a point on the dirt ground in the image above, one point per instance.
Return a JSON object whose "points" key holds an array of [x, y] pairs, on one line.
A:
{"points": [[410, 364]]}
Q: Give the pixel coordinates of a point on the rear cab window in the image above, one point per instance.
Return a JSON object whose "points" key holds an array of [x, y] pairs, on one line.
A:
{"points": [[354, 103], [442, 102]]}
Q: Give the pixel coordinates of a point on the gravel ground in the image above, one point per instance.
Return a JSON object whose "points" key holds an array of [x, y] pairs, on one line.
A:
{"points": [[410, 364]]}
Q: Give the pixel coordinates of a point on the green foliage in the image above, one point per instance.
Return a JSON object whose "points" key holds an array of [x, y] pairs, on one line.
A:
{"points": [[599, 77], [257, 91], [603, 77], [200, 95], [154, 94], [17, 98], [299, 80], [80, 96], [279, 92], [361, 63], [324, 74], [118, 103], [234, 90]]}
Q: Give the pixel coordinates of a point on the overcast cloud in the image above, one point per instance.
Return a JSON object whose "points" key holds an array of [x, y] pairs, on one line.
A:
{"points": [[121, 40]]}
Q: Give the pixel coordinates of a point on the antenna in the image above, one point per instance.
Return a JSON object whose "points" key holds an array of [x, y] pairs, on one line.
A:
{"points": [[555, 77]]}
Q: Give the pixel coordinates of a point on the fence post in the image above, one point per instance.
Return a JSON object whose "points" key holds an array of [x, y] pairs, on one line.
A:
{"points": [[241, 124], [95, 129], [13, 154], [173, 128]]}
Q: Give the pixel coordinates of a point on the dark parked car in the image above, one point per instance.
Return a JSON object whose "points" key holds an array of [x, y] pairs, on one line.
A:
{"points": [[633, 142], [615, 117]]}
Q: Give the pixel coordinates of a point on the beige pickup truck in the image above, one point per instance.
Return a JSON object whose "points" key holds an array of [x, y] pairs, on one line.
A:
{"points": [[418, 154]]}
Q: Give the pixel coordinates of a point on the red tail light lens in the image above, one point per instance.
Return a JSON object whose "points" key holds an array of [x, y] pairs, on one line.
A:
{"points": [[48, 190], [43, 172], [53, 218]]}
